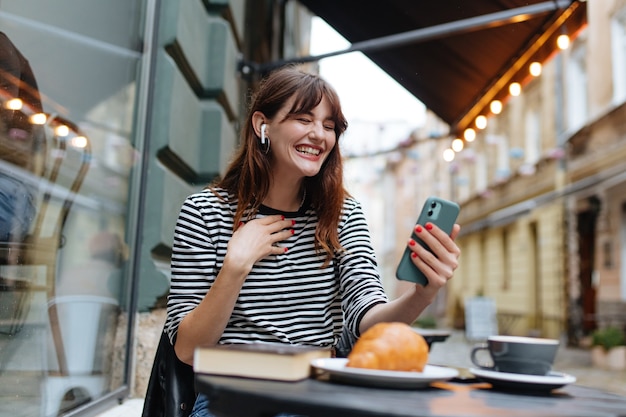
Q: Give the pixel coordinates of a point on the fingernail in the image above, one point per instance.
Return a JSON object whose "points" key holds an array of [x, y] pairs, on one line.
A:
{"points": [[282, 217], [429, 226], [285, 249], [414, 255], [240, 224], [293, 222], [293, 231], [411, 242], [418, 229]]}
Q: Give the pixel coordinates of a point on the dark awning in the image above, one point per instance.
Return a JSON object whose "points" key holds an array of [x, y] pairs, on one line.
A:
{"points": [[455, 56]]}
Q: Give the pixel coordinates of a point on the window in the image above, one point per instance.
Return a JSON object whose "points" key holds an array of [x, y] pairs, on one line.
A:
{"points": [[576, 90], [67, 108], [532, 151], [618, 44], [506, 260], [503, 169], [480, 167]]}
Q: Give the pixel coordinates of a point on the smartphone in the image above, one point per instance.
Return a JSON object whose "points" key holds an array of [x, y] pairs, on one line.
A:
{"points": [[438, 211]]}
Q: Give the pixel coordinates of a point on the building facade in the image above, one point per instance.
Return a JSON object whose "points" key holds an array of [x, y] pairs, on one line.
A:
{"points": [[541, 189]]}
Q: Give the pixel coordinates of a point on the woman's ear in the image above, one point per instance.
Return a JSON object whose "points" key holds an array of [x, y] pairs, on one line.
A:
{"points": [[258, 119]]}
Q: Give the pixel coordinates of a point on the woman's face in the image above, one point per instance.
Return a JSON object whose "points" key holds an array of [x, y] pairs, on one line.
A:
{"points": [[300, 143]]}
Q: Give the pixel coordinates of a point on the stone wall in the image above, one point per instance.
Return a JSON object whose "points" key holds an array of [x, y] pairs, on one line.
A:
{"points": [[148, 329]]}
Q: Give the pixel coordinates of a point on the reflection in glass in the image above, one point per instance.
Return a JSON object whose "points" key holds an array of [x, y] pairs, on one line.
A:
{"points": [[66, 112]]}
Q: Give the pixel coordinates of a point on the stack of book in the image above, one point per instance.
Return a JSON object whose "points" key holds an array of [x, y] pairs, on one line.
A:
{"points": [[273, 361]]}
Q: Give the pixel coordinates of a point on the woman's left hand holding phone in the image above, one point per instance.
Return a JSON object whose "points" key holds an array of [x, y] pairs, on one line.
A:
{"points": [[438, 265]]}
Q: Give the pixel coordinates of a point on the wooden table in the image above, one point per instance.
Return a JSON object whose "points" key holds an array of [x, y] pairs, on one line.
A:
{"points": [[239, 397]]}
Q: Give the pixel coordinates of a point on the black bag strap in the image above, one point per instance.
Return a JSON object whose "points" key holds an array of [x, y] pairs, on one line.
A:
{"points": [[171, 391]]}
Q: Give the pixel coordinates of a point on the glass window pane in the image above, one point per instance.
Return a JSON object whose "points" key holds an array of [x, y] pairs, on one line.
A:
{"points": [[68, 74]]}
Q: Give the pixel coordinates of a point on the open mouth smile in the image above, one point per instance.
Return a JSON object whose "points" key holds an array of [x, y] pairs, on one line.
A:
{"points": [[308, 150]]}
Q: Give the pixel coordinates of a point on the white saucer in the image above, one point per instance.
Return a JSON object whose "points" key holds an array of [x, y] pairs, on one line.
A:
{"points": [[337, 370], [523, 381]]}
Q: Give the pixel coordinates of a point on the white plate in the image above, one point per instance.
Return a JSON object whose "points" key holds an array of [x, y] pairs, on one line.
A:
{"points": [[337, 370], [525, 382]]}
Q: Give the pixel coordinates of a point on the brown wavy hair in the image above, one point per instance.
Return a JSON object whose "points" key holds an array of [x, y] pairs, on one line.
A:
{"points": [[249, 174]]}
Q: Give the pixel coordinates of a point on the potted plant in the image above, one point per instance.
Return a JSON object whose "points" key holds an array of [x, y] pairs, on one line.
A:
{"points": [[608, 349]]}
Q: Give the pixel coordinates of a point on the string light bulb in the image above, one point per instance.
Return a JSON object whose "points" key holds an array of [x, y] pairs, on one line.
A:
{"points": [[535, 69], [38, 119], [13, 104], [79, 141], [448, 155], [562, 42], [61, 130], [495, 106], [457, 145], [481, 122], [515, 89], [469, 134]]}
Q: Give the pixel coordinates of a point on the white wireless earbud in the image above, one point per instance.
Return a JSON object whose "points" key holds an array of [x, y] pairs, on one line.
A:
{"points": [[263, 137]]}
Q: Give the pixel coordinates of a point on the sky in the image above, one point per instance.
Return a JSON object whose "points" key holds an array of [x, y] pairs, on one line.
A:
{"points": [[380, 111]]}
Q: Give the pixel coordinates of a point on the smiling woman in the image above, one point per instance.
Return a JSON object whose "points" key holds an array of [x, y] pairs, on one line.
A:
{"points": [[302, 141], [277, 250], [303, 121]]}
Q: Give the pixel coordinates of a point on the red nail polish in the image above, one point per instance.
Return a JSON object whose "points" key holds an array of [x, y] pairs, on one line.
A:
{"points": [[418, 229], [240, 224], [429, 226], [411, 242], [282, 217], [414, 255], [293, 222], [285, 249], [293, 231]]}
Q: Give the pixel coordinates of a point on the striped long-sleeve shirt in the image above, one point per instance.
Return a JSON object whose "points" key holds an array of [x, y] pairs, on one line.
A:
{"points": [[288, 298]]}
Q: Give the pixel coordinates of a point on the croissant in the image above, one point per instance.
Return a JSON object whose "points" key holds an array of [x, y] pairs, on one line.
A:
{"points": [[390, 346]]}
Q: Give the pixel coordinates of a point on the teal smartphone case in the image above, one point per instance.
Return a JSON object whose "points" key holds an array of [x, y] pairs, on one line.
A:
{"points": [[438, 211]]}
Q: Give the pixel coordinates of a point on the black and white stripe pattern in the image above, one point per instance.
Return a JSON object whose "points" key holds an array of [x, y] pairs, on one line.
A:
{"points": [[287, 298]]}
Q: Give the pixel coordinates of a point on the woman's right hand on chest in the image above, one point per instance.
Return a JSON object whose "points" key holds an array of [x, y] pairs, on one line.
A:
{"points": [[256, 239]]}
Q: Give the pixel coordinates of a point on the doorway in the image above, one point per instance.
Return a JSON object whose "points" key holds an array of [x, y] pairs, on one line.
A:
{"points": [[586, 231]]}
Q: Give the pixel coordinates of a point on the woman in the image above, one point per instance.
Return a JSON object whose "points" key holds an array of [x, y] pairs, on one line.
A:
{"points": [[277, 250]]}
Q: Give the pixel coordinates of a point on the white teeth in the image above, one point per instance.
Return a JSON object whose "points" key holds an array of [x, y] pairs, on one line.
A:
{"points": [[309, 150]]}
